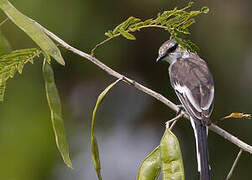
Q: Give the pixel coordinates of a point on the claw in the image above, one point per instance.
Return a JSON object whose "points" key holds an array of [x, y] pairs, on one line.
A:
{"points": [[181, 109]]}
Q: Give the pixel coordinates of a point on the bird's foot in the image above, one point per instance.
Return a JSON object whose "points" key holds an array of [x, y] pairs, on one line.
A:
{"points": [[181, 109], [179, 114]]}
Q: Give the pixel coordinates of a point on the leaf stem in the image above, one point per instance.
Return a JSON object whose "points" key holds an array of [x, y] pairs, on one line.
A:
{"points": [[118, 34]]}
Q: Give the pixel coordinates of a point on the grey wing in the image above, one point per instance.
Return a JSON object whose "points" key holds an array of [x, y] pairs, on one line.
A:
{"points": [[193, 84]]}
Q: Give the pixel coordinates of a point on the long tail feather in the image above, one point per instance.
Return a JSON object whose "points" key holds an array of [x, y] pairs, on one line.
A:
{"points": [[200, 132]]}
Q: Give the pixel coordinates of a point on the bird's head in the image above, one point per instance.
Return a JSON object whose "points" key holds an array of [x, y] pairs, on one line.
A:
{"points": [[170, 51]]}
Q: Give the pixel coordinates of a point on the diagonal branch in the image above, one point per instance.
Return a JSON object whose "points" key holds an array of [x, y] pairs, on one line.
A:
{"points": [[234, 165], [146, 90]]}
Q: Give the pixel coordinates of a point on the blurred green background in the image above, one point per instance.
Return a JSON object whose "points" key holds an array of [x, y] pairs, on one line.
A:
{"points": [[129, 123]]}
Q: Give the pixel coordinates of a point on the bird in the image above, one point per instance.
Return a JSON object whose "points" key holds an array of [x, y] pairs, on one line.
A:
{"points": [[194, 86]]}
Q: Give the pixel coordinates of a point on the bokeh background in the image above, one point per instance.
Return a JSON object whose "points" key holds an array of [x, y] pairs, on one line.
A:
{"points": [[129, 123]]}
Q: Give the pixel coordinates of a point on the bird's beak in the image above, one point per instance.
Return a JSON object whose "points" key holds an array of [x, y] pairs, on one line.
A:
{"points": [[160, 58]]}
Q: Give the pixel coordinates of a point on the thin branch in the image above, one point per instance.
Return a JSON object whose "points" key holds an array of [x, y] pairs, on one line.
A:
{"points": [[130, 30], [99, 44], [231, 138], [234, 165], [146, 90]]}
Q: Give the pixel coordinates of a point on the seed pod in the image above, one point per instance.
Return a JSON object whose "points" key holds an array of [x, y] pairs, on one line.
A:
{"points": [[151, 166], [171, 158], [56, 115]]}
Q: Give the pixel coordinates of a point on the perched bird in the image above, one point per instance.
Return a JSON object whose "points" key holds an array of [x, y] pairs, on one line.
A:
{"points": [[194, 86]]}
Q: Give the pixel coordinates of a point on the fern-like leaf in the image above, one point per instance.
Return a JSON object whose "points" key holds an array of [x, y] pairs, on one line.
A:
{"points": [[176, 21], [14, 62]]}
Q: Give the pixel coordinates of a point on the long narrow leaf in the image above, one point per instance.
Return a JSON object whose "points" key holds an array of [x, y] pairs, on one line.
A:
{"points": [[128, 35], [14, 62], [32, 29], [56, 114], [171, 158], [94, 144], [151, 166]]}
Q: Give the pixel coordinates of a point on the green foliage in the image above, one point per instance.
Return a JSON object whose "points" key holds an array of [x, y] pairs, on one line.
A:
{"points": [[56, 114], [14, 62], [176, 22], [32, 29], [94, 144]]}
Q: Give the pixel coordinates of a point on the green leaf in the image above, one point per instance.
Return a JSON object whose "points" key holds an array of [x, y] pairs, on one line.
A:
{"points": [[188, 23], [136, 26], [117, 28], [13, 62], [131, 21], [175, 21], [32, 29], [151, 166], [128, 35], [121, 27], [109, 34], [182, 31], [94, 144], [171, 158], [56, 114], [204, 10], [148, 21], [190, 3], [191, 46], [4, 45], [194, 13]]}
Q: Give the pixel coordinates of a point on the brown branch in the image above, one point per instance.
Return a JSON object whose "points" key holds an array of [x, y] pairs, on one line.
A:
{"points": [[146, 90], [231, 138], [99, 44], [234, 165]]}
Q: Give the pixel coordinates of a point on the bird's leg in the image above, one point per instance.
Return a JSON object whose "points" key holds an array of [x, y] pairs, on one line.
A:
{"points": [[179, 114], [181, 109]]}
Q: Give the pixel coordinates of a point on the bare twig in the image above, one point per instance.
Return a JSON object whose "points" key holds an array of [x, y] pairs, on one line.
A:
{"points": [[234, 165], [99, 44], [146, 90], [231, 138]]}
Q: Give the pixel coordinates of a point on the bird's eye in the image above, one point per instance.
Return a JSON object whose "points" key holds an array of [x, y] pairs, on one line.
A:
{"points": [[173, 48]]}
